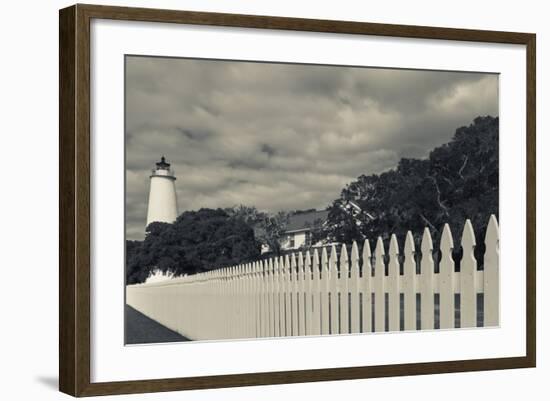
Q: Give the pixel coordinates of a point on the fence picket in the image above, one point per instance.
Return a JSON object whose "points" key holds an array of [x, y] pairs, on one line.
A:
{"points": [[392, 285], [468, 267], [276, 312], [366, 289], [259, 298], [325, 291], [334, 291], [301, 295], [294, 308], [409, 283], [426, 282], [446, 280], [266, 304], [379, 295], [343, 310], [316, 306], [289, 298], [354, 282], [295, 304], [309, 309], [491, 274], [282, 291]]}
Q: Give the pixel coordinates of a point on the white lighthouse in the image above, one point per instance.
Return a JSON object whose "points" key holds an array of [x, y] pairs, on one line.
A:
{"points": [[163, 206]]}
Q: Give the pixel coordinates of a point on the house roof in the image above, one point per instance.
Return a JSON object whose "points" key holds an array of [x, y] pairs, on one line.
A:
{"points": [[303, 221]]}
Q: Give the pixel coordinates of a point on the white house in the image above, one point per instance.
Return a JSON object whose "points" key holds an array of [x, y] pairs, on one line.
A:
{"points": [[298, 231]]}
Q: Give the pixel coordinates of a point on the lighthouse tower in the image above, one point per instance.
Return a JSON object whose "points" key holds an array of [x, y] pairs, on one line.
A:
{"points": [[163, 205]]}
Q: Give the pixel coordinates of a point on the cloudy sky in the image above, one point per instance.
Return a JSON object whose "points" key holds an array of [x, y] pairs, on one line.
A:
{"points": [[283, 136]]}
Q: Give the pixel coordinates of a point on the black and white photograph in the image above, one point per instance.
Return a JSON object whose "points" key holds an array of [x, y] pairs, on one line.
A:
{"points": [[267, 200]]}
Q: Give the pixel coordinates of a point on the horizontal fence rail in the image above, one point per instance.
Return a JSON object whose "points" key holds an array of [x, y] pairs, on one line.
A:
{"points": [[334, 291]]}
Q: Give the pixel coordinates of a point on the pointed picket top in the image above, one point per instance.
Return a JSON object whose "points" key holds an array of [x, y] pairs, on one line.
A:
{"points": [[468, 237], [379, 250], [394, 248], [344, 261], [409, 245], [491, 274], [379, 266], [300, 264], [276, 266], [468, 267], [492, 235], [304, 265], [324, 260], [409, 283], [492, 242], [288, 267], [367, 263], [333, 262], [366, 250], [393, 263], [446, 242], [333, 255], [299, 261], [446, 264], [293, 264], [427, 244], [354, 259], [315, 263]]}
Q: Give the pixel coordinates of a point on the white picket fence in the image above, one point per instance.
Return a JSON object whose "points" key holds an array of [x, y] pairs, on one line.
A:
{"points": [[321, 292]]}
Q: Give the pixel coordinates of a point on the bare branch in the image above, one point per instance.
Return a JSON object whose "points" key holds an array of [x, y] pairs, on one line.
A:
{"points": [[439, 202], [463, 166], [427, 221]]}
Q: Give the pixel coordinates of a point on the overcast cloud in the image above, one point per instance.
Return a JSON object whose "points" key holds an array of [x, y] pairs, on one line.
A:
{"points": [[283, 136]]}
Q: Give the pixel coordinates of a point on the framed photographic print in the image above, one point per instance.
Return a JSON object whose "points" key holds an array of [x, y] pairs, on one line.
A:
{"points": [[250, 200]]}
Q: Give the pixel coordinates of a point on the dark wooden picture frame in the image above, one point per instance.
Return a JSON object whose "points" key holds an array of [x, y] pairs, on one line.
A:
{"points": [[74, 203]]}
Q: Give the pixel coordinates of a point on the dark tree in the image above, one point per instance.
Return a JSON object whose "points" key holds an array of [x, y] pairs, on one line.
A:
{"points": [[197, 241], [458, 180], [269, 228]]}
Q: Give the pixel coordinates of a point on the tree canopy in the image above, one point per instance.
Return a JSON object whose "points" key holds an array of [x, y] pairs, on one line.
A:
{"points": [[269, 229], [197, 241], [458, 180]]}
